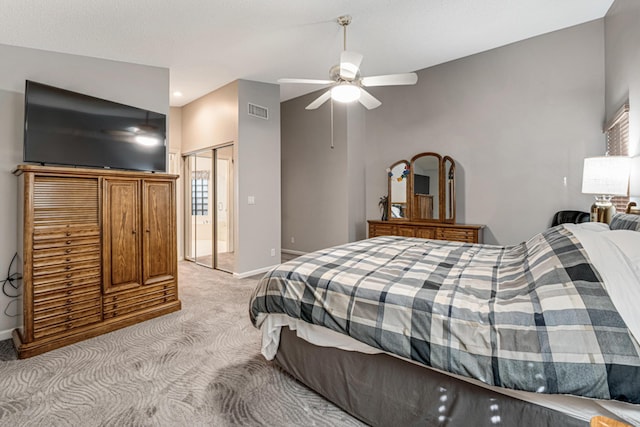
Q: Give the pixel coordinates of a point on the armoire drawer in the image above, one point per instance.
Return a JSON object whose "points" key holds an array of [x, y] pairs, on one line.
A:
{"points": [[77, 281], [46, 233], [44, 330], [115, 309], [66, 251], [65, 269], [45, 305], [67, 308], [66, 242], [47, 263]]}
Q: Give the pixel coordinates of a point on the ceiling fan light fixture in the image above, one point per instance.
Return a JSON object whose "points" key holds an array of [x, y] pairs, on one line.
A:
{"points": [[345, 93]]}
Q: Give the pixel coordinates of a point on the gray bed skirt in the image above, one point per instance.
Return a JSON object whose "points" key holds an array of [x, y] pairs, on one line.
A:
{"points": [[382, 390]]}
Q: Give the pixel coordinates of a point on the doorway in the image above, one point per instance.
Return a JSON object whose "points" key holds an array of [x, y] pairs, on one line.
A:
{"points": [[209, 190]]}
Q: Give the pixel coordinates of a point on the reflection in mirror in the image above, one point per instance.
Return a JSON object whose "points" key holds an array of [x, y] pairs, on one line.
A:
{"points": [[426, 186], [449, 189], [398, 177]]}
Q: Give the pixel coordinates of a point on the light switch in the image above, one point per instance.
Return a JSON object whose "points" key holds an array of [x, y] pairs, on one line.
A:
{"points": [[252, 200]]}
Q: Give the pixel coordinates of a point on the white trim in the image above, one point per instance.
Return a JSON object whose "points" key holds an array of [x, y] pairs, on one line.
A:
{"points": [[5, 335], [253, 272], [292, 252]]}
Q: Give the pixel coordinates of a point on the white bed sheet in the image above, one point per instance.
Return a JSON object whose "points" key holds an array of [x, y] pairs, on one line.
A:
{"points": [[615, 257]]}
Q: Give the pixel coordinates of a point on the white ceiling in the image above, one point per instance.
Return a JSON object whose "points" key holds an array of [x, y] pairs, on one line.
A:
{"points": [[207, 44]]}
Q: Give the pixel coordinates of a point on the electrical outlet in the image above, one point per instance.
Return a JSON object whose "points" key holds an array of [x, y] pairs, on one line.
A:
{"points": [[293, 239], [273, 252]]}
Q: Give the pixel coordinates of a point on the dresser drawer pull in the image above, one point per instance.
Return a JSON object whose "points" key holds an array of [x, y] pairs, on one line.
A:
{"points": [[68, 276], [69, 283], [69, 292], [115, 306], [69, 309], [68, 267], [68, 259], [115, 298], [115, 313], [69, 301], [69, 325], [68, 233], [68, 242], [69, 318], [68, 250]]}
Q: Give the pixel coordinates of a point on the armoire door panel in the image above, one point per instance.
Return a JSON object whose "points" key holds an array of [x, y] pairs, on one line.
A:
{"points": [[121, 235], [158, 223]]}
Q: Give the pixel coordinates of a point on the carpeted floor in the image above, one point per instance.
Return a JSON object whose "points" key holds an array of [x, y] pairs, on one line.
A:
{"points": [[197, 367]]}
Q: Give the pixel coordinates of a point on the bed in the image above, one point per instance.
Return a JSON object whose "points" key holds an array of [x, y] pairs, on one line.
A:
{"points": [[406, 331]]}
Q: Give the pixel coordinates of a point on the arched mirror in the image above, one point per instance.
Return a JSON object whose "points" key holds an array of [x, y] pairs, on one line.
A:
{"points": [[449, 190], [426, 187], [398, 206]]}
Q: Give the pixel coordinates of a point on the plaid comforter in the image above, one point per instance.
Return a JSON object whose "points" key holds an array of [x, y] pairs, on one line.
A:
{"points": [[533, 317]]}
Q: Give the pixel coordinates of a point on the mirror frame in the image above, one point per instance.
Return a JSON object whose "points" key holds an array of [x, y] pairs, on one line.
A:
{"points": [[414, 209], [408, 202], [449, 180]]}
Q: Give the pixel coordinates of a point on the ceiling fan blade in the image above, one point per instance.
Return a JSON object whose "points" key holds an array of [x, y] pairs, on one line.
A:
{"points": [[307, 81], [368, 100], [319, 100], [349, 64], [390, 80]]}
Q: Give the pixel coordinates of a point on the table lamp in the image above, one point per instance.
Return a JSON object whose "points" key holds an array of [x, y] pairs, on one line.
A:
{"points": [[605, 177]]}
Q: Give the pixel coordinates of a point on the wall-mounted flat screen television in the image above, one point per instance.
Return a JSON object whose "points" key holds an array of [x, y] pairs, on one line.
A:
{"points": [[68, 128]]}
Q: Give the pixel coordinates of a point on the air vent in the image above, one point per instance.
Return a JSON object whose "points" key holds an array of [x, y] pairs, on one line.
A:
{"points": [[258, 111]]}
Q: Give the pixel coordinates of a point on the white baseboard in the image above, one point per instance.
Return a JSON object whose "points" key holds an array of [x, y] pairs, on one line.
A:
{"points": [[253, 272], [292, 252], [5, 335]]}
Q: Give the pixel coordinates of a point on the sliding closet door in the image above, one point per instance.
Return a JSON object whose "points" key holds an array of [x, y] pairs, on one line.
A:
{"points": [[209, 204], [224, 227], [198, 204]]}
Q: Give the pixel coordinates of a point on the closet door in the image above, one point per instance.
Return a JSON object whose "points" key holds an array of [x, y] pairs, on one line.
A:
{"points": [[158, 218], [121, 234]]}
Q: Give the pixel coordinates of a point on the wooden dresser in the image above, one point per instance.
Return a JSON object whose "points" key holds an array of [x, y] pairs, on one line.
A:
{"points": [[98, 252], [427, 230]]}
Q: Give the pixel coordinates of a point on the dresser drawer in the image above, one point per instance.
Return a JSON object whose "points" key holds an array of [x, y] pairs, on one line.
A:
{"points": [[139, 292], [406, 231], [382, 230], [45, 329], [66, 242], [65, 268], [67, 306], [75, 292], [66, 280], [52, 262], [455, 234], [49, 233], [426, 232], [117, 309], [57, 302], [65, 251]]}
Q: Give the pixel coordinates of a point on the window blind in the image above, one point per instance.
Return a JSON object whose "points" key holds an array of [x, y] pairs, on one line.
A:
{"points": [[617, 132]]}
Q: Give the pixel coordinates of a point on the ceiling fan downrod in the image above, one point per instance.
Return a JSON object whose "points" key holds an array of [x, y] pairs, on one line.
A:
{"points": [[344, 21]]}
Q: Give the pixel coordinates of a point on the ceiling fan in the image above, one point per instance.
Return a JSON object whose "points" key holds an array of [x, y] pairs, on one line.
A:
{"points": [[347, 84]]}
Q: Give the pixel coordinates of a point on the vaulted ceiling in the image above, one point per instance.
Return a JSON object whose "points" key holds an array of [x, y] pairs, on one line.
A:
{"points": [[207, 44]]}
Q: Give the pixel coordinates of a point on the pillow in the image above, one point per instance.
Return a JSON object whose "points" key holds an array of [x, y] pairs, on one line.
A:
{"points": [[621, 221]]}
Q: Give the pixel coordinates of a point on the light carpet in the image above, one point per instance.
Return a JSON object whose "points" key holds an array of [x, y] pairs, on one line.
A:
{"points": [[200, 366]]}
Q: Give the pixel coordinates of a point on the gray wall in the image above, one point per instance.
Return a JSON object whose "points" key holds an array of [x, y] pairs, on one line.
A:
{"points": [[314, 176], [138, 85], [517, 120], [622, 53], [220, 117], [258, 165]]}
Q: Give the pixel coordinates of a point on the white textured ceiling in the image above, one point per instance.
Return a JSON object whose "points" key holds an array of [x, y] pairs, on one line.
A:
{"points": [[207, 44]]}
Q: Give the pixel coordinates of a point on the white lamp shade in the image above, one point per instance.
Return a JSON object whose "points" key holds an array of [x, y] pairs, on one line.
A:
{"points": [[607, 175], [345, 93]]}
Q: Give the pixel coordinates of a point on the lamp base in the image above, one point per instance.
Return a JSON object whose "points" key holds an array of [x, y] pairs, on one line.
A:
{"points": [[602, 212]]}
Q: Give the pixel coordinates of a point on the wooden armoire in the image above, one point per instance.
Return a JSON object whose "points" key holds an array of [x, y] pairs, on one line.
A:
{"points": [[98, 251]]}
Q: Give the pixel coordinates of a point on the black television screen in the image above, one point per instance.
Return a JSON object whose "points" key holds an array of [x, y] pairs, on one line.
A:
{"points": [[68, 128]]}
